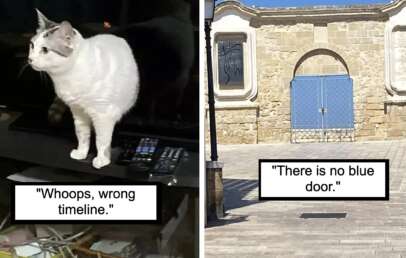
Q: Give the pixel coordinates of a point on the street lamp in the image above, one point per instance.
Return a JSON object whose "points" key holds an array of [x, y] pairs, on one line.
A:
{"points": [[214, 169], [209, 10], [209, 6]]}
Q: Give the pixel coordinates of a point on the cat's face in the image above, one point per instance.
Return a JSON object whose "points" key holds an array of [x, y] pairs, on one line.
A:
{"points": [[52, 47]]}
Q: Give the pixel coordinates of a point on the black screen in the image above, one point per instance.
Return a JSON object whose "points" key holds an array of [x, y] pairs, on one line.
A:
{"points": [[162, 33]]}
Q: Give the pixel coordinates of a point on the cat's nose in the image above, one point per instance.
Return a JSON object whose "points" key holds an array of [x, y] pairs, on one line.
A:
{"points": [[29, 60]]}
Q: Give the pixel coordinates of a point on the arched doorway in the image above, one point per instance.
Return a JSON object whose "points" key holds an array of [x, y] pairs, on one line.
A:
{"points": [[322, 98]]}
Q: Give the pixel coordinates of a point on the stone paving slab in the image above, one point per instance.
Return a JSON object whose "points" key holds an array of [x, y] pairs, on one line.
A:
{"points": [[274, 229]]}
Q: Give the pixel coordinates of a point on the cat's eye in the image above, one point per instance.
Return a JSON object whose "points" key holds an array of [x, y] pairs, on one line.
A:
{"points": [[31, 45], [44, 50]]}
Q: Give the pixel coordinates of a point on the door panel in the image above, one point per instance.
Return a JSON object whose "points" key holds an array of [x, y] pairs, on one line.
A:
{"points": [[305, 102], [338, 102]]}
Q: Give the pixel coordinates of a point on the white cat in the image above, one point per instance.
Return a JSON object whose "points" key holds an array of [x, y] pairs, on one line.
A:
{"points": [[96, 77]]}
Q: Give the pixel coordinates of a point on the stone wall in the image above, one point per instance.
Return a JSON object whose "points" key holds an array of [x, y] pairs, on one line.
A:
{"points": [[396, 120], [236, 125], [359, 45]]}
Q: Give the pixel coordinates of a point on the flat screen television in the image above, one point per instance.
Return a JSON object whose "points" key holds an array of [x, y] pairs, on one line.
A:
{"points": [[163, 35]]}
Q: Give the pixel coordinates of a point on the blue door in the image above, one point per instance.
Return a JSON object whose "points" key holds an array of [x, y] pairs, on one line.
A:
{"points": [[322, 102]]}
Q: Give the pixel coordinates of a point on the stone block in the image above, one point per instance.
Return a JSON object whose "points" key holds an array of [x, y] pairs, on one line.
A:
{"points": [[377, 120]]}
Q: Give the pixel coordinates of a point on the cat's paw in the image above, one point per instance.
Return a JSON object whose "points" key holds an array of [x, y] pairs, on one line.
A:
{"points": [[78, 154], [100, 162]]}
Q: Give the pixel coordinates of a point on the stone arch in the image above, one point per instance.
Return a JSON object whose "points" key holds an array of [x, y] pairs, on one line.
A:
{"points": [[317, 53]]}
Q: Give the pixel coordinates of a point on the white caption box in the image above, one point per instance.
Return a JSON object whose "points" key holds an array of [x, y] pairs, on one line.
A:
{"points": [[342, 179], [85, 202]]}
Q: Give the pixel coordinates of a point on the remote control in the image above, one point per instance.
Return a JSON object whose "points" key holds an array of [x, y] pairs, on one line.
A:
{"points": [[145, 150], [168, 161], [143, 153]]}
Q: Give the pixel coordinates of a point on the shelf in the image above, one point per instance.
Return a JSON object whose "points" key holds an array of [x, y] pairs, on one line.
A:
{"points": [[53, 151]]}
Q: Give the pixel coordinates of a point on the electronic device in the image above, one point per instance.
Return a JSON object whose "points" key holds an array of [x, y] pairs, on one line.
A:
{"points": [[168, 161], [148, 156], [145, 150], [148, 28], [141, 153]]}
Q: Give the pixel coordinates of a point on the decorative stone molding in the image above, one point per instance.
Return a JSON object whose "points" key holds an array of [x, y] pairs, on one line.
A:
{"points": [[229, 23], [236, 105], [395, 54], [325, 13], [395, 102]]}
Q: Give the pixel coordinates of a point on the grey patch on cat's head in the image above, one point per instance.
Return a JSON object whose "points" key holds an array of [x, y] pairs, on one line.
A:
{"points": [[61, 41], [50, 31], [44, 23], [53, 47]]}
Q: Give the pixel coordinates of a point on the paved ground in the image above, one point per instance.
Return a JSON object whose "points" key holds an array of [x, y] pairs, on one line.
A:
{"points": [[274, 229]]}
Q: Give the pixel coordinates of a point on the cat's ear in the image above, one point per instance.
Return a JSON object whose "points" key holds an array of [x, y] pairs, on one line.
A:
{"points": [[62, 39], [43, 22], [66, 31]]}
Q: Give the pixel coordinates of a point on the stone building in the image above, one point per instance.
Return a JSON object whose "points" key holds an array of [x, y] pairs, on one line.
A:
{"points": [[325, 73]]}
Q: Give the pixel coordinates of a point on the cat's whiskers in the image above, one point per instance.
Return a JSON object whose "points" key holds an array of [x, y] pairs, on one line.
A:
{"points": [[41, 76], [22, 70], [45, 78]]}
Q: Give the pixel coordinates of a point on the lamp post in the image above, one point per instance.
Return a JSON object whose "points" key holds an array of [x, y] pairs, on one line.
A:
{"points": [[214, 169], [208, 19]]}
